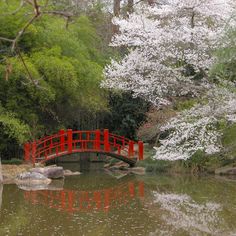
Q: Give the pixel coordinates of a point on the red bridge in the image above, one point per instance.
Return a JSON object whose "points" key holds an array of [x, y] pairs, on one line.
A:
{"points": [[68, 142]]}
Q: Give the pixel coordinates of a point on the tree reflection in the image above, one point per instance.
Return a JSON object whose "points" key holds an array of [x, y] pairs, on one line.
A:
{"points": [[186, 215]]}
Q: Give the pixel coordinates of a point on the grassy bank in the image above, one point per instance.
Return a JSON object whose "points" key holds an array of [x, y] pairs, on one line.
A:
{"points": [[13, 161]]}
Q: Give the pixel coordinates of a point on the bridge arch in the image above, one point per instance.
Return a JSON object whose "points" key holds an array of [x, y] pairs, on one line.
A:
{"points": [[77, 141]]}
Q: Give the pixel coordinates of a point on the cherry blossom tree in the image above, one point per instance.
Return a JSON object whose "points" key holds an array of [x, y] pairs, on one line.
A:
{"points": [[171, 48], [198, 128]]}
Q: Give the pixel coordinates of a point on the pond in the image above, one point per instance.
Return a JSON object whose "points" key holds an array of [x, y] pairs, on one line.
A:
{"points": [[96, 203]]}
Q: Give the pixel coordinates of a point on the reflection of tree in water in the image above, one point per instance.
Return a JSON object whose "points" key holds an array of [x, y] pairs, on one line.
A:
{"points": [[183, 214]]}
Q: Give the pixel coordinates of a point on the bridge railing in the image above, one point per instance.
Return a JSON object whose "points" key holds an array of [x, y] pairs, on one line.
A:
{"points": [[88, 200], [69, 141]]}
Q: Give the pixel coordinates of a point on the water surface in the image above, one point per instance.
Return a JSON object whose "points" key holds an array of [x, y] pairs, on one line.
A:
{"points": [[95, 203]]}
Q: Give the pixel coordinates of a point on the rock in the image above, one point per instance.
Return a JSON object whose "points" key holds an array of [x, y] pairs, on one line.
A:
{"points": [[8, 179], [227, 170], [138, 170], [70, 173], [52, 172], [107, 165], [39, 165], [11, 171], [119, 166], [32, 178], [55, 185]]}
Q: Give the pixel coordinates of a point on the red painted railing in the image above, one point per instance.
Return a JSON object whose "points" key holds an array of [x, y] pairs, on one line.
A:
{"points": [[67, 142]]}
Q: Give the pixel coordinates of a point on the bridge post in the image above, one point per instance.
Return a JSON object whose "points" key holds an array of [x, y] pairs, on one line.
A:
{"points": [[131, 148], [97, 143], [131, 190], [141, 189], [62, 140], [140, 150], [69, 140], [106, 140], [27, 152], [97, 199], [34, 148]]}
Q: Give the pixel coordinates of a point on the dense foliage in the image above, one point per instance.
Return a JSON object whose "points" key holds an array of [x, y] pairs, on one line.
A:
{"points": [[50, 79], [56, 74]]}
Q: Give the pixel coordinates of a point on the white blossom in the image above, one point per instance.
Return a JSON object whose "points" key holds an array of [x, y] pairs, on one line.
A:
{"points": [[162, 40], [195, 129], [165, 43]]}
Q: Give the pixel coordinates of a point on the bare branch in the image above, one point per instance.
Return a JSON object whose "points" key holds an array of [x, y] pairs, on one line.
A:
{"points": [[6, 39], [22, 31], [25, 66]]}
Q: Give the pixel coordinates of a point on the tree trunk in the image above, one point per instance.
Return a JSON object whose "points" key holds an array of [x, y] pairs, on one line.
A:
{"points": [[116, 12], [116, 7], [151, 2], [1, 190], [1, 178], [130, 6]]}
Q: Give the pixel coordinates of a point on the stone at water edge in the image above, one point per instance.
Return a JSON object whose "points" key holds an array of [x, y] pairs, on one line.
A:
{"points": [[32, 178], [138, 170], [71, 173], [227, 170], [52, 172], [107, 165], [119, 166]]}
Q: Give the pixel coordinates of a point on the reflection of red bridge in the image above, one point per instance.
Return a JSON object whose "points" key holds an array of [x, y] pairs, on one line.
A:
{"points": [[84, 201], [67, 142]]}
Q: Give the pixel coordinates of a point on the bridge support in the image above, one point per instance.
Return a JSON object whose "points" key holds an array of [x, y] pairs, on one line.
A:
{"points": [[69, 140], [62, 140], [27, 152], [140, 150], [106, 140], [131, 149], [97, 143], [33, 152]]}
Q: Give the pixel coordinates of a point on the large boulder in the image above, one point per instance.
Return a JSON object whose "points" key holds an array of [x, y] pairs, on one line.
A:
{"points": [[227, 170], [32, 178], [52, 172]]}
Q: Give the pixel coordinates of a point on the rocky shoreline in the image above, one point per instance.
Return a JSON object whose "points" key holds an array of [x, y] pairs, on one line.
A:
{"points": [[27, 174]]}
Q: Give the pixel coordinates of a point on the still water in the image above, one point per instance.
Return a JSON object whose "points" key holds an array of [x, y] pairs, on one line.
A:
{"points": [[96, 203]]}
